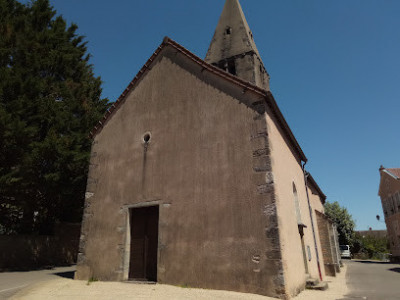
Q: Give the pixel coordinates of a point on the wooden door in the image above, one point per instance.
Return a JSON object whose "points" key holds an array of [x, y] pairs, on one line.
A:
{"points": [[144, 243]]}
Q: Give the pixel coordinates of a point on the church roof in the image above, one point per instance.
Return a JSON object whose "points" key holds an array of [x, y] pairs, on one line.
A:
{"points": [[245, 86], [232, 35]]}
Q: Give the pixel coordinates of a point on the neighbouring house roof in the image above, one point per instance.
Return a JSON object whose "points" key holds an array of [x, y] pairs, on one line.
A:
{"points": [[395, 172], [374, 233], [311, 181], [244, 85]]}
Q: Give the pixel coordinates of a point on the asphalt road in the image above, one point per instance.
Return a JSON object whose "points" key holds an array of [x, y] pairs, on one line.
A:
{"points": [[373, 280], [12, 282]]}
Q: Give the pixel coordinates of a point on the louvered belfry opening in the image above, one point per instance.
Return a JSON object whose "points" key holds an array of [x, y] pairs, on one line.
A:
{"points": [[144, 243]]}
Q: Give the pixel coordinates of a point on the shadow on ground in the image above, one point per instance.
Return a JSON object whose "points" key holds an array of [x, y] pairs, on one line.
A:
{"points": [[395, 270], [33, 269], [67, 275], [373, 262]]}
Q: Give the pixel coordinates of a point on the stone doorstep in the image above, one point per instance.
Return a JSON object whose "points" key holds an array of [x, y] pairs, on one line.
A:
{"points": [[311, 282], [318, 285], [138, 281]]}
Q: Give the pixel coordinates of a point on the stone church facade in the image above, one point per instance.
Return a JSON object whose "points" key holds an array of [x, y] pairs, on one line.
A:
{"points": [[196, 178]]}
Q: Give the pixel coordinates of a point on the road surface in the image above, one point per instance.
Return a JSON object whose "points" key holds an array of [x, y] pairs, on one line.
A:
{"points": [[373, 280], [12, 282], [365, 280]]}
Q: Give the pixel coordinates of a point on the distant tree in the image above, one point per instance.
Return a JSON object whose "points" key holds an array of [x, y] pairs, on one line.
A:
{"points": [[344, 221], [371, 246], [49, 101]]}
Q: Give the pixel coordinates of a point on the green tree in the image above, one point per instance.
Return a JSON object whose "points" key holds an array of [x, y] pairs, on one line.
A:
{"points": [[49, 102], [344, 221], [371, 246]]}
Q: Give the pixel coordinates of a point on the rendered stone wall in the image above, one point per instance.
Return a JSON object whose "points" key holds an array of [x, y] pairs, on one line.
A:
{"points": [[389, 187], [393, 230], [208, 168], [287, 170]]}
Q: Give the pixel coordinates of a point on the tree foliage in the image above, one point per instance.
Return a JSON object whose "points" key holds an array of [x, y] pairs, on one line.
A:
{"points": [[49, 102], [370, 246], [344, 221]]}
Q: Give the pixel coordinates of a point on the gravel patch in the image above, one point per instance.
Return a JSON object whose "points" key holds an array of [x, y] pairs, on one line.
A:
{"points": [[75, 289]]}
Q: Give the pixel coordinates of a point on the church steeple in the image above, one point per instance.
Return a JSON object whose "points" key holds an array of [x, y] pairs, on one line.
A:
{"points": [[233, 48]]}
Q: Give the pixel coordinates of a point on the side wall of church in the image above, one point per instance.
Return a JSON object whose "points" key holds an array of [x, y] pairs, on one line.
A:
{"points": [[287, 172], [206, 166]]}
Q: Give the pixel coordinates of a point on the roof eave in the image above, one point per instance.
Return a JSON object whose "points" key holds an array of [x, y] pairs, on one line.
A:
{"points": [[312, 181], [391, 174], [285, 126]]}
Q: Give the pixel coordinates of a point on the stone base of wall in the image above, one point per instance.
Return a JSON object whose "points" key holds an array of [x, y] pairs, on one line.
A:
{"points": [[29, 252], [395, 259], [330, 270], [337, 268]]}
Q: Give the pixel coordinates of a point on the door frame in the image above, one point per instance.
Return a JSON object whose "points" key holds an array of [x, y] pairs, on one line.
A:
{"points": [[126, 210]]}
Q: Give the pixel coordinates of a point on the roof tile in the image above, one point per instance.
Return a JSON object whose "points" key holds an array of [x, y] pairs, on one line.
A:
{"points": [[395, 171]]}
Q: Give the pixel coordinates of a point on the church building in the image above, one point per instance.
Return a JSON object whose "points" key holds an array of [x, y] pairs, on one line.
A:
{"points": [[196, 179]]}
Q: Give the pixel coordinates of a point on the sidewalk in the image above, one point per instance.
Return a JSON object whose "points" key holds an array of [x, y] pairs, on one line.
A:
{"points": [[337, 288], [73, 289]]}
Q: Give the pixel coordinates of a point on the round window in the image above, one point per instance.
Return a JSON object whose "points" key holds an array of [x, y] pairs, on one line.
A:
{"points": [[146, 137]]}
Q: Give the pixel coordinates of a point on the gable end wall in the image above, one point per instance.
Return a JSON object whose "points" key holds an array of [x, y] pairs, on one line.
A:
{"points": [[208, 168]]}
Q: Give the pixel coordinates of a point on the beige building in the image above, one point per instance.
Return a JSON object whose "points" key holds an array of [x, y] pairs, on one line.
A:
{"points": [[196, 178], [389, 191]]}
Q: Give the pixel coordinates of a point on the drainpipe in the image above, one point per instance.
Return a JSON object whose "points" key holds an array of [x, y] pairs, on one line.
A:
{"points": [[312, 220]]}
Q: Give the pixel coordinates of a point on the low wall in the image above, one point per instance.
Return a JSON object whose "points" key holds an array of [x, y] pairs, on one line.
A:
{"points": [[328, 248], [395, 259], [27, 252]]}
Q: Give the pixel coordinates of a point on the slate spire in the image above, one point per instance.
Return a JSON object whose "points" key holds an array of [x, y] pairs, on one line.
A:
{"points": [[233, 48]]}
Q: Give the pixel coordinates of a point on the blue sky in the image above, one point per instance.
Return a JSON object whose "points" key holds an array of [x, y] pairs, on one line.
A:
{"points": [[334, 66]]}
